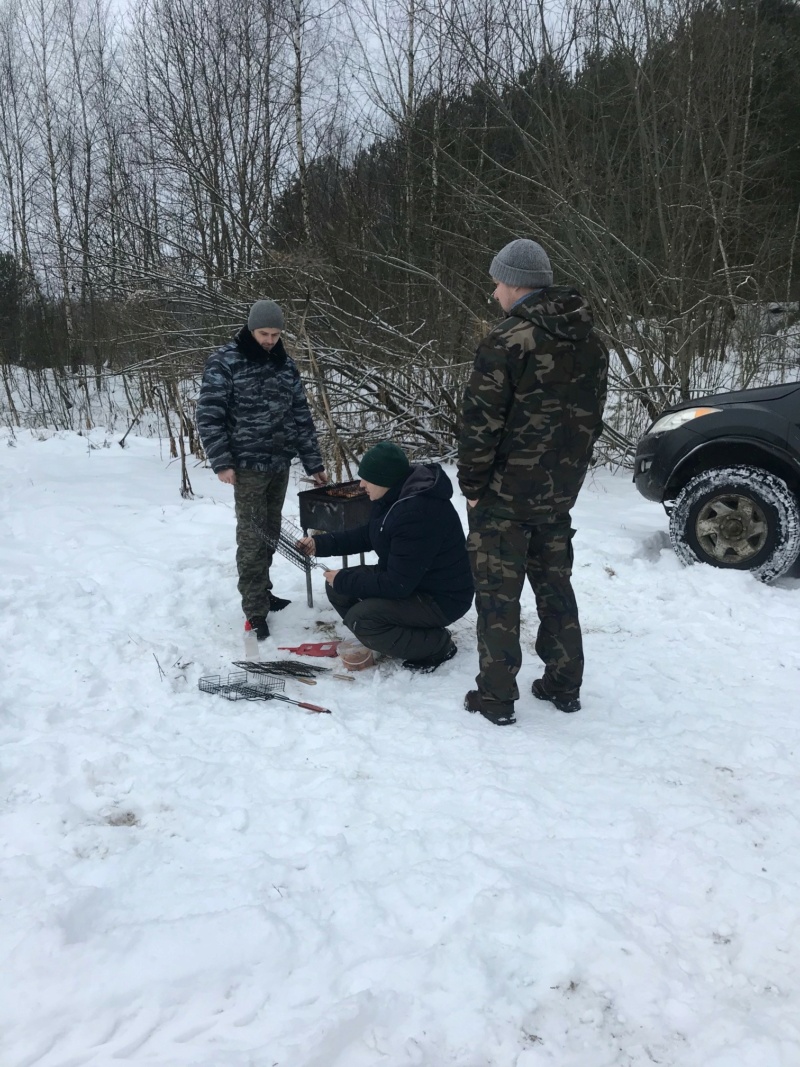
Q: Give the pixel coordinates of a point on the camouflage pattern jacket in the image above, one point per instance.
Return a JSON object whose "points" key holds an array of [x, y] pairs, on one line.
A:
{"points": [[533, 408], [252, 411]]}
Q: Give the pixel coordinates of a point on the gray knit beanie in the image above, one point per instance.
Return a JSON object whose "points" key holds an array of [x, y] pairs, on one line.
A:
{"points": [[265, 315], [522, 263]]}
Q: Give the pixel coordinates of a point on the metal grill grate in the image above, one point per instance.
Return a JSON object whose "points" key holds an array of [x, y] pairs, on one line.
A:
{"points": [[343, 492]]}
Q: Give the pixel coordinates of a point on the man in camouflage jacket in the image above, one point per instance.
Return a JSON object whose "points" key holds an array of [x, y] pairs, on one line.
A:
{"points": [[253, 419], [532, 411]]}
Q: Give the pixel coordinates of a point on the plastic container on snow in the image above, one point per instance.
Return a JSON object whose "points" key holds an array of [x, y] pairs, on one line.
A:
{"points": [[355, 656], [250, 642]]}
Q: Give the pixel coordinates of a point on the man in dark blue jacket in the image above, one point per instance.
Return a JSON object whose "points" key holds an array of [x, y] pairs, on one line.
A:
{"points": [[422, 581], [253, 419]]}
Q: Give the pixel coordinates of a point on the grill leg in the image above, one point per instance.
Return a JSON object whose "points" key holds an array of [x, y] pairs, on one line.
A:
{"points": [[344, 561], [361, 554], [309, 589]]}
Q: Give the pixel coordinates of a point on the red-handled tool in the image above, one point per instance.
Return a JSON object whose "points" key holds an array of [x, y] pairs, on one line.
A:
{"points": [[299, 703], [323, 648]]}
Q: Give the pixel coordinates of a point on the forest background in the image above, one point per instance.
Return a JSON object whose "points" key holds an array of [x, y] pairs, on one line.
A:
{"points": [[164, 164]]}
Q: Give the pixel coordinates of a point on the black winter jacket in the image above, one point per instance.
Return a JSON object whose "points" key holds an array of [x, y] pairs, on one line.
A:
{"points": [[418, 537], [252, 411]]}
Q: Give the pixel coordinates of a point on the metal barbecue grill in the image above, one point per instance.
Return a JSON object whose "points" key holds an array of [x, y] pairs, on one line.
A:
{"points": [[333, 509]]}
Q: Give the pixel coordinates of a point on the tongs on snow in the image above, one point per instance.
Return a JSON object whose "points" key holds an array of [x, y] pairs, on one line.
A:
{"points": [[300, 703]]}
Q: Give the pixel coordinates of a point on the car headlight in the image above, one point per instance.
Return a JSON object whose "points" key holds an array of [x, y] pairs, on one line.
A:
{"points": [[679, 418]]}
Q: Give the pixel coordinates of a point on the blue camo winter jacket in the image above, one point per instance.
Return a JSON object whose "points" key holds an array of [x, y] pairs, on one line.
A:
{"points": [[252, 410], [420, 543]]}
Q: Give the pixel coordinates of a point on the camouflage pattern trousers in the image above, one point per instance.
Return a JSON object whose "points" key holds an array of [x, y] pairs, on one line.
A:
{"points": [[502, 552], [258, 497]]}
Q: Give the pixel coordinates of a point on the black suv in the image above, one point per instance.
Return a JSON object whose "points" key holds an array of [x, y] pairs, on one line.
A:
{"points": [[727, 470]]}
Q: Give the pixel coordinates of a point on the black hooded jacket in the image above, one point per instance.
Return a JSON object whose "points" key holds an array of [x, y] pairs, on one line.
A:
{"points": [[419, 540]]}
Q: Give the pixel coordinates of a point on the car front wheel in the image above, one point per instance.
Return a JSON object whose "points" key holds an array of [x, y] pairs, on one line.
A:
{"points": [[741, 518]]}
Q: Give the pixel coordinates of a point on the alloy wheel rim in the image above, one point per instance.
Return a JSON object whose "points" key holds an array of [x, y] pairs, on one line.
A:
{"points": [[731, 528]]}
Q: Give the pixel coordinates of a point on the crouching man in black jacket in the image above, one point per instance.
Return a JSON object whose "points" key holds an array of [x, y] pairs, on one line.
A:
{"points": [[422, 581]]}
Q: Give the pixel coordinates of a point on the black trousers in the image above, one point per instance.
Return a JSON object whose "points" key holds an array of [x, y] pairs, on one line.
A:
{"points": [[411, 628]]}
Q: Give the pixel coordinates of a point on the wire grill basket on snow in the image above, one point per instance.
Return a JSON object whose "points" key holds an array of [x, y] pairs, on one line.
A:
{"points": [[288, 667], [238, 686]]}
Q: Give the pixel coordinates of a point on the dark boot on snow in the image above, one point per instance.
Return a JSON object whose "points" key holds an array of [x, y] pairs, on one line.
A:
{"points": [[430, 663], [568, 702], [258, 624], [500, 712], [277, 603]]}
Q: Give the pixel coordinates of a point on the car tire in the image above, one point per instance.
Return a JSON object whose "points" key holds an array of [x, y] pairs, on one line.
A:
{"points": [[738, 518]]}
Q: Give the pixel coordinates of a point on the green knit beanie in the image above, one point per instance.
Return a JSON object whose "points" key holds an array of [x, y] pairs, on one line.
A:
{"points": [[386, 464]]}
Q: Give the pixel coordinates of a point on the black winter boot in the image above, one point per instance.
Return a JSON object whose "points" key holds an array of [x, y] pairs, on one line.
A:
{"points": [[258, 624], [430, 663], [277, 603], [562, 701], [500, 712]]}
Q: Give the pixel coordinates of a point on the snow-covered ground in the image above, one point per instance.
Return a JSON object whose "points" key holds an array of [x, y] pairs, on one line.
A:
{"points": [[188, 882]]}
